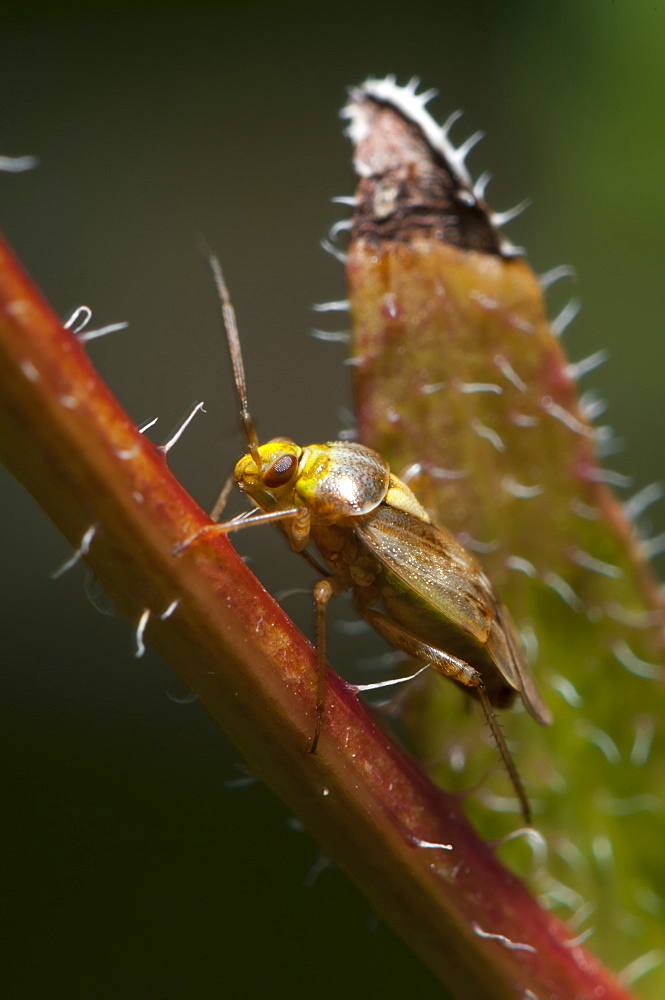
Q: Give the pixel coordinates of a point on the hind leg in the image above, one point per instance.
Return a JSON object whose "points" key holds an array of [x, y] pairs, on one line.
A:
{"points": [[451, 666]]}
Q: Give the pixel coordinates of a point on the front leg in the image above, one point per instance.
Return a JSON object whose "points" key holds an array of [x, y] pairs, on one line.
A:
{"points": [[451, 666], [298, 534]]}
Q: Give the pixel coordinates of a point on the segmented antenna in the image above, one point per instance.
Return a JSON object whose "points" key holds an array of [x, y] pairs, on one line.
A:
{"points": [[233, 340]]}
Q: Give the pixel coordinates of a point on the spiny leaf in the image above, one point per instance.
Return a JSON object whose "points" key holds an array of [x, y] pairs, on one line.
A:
{"points": [[460, 375]]}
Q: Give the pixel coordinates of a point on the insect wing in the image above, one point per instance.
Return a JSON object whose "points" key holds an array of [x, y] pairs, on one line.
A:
{"points": [[505, 646], [443, 574], [433, 565]]}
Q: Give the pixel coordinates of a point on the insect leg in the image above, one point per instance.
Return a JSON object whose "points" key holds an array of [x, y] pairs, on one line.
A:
{"points": [[505, 753], [323, 591], [300, 515], [463, 673]]}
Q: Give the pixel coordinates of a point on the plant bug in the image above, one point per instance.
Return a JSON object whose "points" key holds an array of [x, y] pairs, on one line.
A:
{"points": [[411, 580]]}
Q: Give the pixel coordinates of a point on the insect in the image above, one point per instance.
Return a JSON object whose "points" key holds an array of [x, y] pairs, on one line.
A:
{"points": [[411, 580]]}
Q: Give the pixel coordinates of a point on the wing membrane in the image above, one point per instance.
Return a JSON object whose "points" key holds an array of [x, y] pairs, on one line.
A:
{"points": [[432, 564]]}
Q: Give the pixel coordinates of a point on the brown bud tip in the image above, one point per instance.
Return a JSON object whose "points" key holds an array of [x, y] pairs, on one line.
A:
{"points": [[412, 180]]}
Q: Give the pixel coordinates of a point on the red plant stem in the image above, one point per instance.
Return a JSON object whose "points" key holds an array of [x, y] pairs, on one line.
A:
{"points": [[67, 440]]}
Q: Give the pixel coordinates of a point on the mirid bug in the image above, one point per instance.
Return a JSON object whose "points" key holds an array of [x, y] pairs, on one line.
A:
{"points": [[411, 580]]}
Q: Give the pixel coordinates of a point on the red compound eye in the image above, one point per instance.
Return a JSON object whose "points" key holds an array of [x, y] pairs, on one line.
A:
{"points": [[280, 471]]}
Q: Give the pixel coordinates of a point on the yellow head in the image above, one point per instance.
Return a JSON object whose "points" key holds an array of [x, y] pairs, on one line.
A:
{"points": [[272, 483]]}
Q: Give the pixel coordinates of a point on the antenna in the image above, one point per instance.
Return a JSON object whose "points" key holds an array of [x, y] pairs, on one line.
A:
{"points": [[233, 340]]}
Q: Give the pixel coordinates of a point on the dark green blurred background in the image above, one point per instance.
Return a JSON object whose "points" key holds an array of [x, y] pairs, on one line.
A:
{"points": [[135, 871]]}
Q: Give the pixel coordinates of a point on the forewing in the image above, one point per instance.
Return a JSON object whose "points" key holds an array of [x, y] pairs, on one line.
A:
{"points": [[429, 561], [433, 565], [505, 648]]}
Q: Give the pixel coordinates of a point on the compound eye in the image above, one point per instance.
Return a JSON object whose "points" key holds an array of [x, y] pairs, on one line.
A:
{"points": [[280, 472]]}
